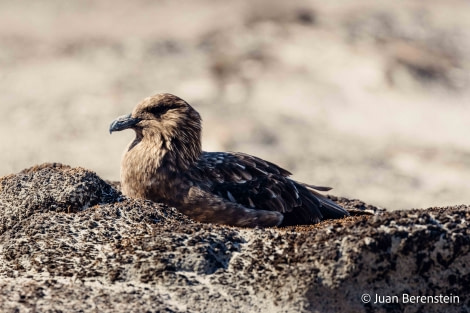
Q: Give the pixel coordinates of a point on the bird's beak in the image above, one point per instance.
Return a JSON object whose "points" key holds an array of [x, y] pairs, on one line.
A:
{"points": [[123, 122]]}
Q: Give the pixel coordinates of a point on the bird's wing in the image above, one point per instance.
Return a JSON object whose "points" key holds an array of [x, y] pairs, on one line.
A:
{"points": [[255, 184], [205, 206]]}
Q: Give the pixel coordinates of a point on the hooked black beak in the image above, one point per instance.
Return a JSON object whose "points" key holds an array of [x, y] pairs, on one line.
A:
{"points": [[123, 122]]}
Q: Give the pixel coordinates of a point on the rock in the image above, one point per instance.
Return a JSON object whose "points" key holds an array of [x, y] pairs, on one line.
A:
{"points": [[69, 241]]}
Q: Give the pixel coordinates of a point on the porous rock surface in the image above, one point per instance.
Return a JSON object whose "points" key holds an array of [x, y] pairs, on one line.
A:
{"points": [[71, 242]]}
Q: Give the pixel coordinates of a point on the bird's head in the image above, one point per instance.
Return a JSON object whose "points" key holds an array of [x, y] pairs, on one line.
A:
{"points": [[165, 119]]}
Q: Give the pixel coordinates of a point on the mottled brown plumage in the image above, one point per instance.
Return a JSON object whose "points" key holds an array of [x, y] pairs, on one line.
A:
{"points": [[165, 163]]}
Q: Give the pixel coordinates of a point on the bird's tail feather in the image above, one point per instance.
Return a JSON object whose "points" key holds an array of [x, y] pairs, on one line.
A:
{"points": [[328, 208], [319, 188]]}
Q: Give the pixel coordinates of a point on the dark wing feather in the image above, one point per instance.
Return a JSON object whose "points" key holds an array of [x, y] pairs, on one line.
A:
{"points": [[258, 184]]}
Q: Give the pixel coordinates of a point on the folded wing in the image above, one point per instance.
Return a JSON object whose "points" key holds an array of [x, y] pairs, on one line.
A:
{"points": [[261, 185]]}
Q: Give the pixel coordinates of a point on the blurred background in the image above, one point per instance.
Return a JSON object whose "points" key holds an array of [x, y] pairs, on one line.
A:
{"points": [[369, 97]]}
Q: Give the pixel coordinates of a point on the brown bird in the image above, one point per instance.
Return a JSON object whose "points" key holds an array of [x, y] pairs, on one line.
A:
{"points": [[165, 163]]}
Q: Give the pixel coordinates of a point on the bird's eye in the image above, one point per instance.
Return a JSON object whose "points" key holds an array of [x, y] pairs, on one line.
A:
{"points": [[159, 110]]}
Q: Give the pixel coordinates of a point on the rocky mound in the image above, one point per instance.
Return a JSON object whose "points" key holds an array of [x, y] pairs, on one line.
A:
{"points": [[69, 241]]}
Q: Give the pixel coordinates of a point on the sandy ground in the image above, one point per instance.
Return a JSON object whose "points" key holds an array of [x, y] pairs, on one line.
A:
{"points": [[369, 97]]}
